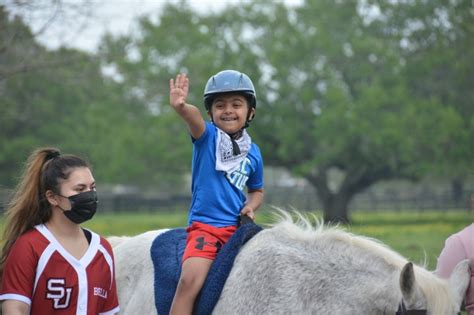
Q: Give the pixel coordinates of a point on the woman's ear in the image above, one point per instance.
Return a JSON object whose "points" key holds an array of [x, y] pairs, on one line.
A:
{"points": [[50, 195]]}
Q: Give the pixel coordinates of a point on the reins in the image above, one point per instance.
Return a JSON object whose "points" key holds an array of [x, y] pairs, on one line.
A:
{"points": [[402, 310]]}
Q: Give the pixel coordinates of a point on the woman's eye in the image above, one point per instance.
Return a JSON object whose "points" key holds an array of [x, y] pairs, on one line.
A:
{"points": [[81, 189]]}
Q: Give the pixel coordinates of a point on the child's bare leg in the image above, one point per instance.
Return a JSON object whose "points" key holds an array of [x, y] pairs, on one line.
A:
{"points": [[193, 274]]}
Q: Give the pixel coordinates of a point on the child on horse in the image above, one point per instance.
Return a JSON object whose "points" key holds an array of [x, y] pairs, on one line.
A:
{"points": [[225, 161]]}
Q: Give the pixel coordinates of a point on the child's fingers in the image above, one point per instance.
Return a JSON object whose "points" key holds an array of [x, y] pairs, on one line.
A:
{"points": [[180, 82], [183, 77], [185, 82], [177, 81]]}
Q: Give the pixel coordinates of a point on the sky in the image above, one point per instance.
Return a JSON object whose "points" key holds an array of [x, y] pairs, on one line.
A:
{"points": [[84, 31]]}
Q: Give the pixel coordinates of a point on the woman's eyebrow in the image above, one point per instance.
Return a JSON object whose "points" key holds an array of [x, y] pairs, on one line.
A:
{"points": [[82, 185]]}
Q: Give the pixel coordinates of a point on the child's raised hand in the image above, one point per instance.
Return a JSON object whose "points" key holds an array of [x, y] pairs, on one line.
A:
{"points": [[179, 90]]}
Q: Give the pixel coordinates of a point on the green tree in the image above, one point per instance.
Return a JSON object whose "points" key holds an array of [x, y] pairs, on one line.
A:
{"points": [[343, 104], [331, 82], [144, 65], [70, 104], [438, 46]]}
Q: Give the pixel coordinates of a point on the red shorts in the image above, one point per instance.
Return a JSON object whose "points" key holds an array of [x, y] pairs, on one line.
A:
{"points": [[205, 240]]}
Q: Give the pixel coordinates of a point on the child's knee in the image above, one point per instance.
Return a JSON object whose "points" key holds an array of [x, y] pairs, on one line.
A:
{"points": [[190, 282]]}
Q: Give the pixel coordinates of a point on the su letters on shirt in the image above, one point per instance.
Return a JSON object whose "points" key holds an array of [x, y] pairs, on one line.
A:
{"points": [[58, 293]]}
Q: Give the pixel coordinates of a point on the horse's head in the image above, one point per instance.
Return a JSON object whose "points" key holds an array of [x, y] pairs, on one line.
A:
{"points": [[425, 292]]}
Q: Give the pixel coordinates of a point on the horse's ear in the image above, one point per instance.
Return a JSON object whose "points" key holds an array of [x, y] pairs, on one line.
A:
{"points": [[459, 280], [407, 282]]}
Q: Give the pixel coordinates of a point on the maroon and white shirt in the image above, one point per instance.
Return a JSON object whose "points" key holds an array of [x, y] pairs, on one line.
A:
{"points": [[41, 273]]}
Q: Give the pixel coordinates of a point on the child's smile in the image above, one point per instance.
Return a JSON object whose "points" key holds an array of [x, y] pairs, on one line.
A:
{"points": [[229, 112]]}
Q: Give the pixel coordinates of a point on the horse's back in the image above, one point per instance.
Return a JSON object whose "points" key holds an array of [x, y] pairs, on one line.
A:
{"points": [[134, 273], [281, 273], [289, 269]]}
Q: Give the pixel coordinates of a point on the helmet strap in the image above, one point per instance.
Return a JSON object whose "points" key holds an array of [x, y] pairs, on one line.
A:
{"points": [[235, 145], [250, 117]]}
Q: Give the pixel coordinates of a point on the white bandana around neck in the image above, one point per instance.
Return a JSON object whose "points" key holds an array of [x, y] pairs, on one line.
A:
{"points": [[225, 159]]}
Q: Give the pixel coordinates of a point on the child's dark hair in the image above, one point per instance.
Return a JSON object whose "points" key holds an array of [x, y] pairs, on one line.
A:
{"points": [[28, 207]]}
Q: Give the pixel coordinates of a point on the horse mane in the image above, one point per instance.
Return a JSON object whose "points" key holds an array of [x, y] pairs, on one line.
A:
{"points": [[435, 290]]}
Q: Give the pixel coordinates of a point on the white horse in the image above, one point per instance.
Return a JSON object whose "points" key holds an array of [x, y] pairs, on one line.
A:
{"points": [[295, 268]]}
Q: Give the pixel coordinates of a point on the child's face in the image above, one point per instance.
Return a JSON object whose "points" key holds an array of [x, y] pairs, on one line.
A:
{"points": [[229, 112]]}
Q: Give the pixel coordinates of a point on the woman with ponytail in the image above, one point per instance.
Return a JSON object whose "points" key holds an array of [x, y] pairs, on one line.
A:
{"points": [[49, 263]]}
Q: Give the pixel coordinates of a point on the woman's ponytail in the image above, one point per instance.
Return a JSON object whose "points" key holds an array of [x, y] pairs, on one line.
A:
{"points": [[28, 205]]}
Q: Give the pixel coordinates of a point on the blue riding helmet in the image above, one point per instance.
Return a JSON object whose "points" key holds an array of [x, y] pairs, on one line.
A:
{"points": [[228, 81]]}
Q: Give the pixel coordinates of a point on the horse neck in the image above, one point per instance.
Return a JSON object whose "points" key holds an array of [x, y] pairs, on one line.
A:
{"points": [[356, 273], [357, 260]]}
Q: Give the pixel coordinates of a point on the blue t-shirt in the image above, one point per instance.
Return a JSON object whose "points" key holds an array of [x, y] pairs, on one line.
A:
{"points": [[217, 198]]}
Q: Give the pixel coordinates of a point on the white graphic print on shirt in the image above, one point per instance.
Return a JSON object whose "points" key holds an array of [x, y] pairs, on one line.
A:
{"points": [[239, 177]]}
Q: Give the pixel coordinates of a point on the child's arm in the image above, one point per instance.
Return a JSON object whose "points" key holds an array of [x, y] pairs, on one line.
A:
{"points": [[254, 201], [191, 115]]}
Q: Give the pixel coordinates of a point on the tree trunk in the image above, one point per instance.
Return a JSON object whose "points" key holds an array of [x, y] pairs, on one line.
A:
{"points": [[335, 209], [457, 187], [336, 203]]}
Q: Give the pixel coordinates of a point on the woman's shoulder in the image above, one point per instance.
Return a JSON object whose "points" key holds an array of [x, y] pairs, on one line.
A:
{"points": [[31, 235], [30, 241], [96, 239], [467, 232], [465, 237], [105, 243]]}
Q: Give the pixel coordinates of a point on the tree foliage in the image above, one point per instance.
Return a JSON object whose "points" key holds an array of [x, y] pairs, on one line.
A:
{"points": [[73, 106], [366, 90], [335, 87]]}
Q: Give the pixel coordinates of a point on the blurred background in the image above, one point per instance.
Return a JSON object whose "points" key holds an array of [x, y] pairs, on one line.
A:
{"points": [[362, 105]]}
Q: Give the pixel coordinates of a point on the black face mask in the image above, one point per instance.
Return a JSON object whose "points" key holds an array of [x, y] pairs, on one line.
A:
{"points": [[83, 206]]}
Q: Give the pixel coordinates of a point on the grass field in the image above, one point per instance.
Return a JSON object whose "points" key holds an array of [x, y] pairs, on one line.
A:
{"points": [[419, 236], [416, 235]]}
